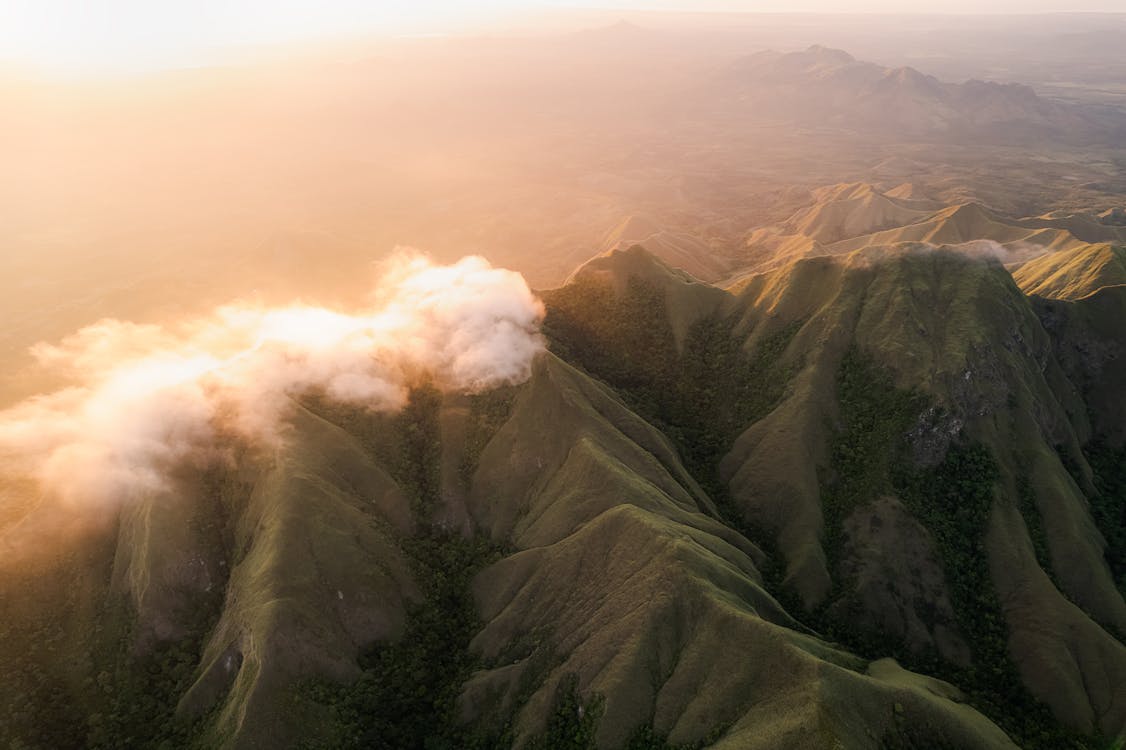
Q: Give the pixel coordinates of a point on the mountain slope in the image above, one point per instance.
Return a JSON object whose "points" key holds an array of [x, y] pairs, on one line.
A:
{"points": [[711, 517], [972, 391], [844, 218], [1075, 274], [828, 87]]}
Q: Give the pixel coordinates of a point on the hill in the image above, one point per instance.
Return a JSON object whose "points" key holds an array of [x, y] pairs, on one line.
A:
{"points": [[1075, 274], [866, 499], [848, 217], [909, 381]]}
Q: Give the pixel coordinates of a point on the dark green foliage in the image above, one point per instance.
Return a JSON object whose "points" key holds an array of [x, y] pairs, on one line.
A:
{"points": [[41, 711], [953, 500], [406, 696], [646, 738], [141, 690], [874, 417], [142, 693], [415, 462], [122, 693], [573, 725], [487, 413], [1108, 504], [701, 397], [624, 339], [573, 722], [1026, 502]]}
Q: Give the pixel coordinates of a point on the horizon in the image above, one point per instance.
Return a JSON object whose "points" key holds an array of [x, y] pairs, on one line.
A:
{"points": [[63, 38]]}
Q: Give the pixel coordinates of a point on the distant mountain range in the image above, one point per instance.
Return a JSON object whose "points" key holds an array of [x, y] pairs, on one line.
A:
{"points": [[847, 217], [830, 88]]}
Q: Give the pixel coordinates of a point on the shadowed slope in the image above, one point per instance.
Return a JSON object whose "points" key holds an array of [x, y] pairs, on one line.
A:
{"points": [[959, 333], [628, 582], [956, 445]]}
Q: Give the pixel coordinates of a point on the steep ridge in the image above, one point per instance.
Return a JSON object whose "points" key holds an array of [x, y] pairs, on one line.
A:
{"points": [[686, 299], [708, 519], [625, 579], [621, 585], [945, 361], [849, 217], [1074, 274], [677, 249], [227, 591], [1079, 296]]}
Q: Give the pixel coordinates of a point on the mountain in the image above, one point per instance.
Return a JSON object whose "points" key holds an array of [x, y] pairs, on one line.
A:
{"points": [[923, 466], [1075, 274], [867, 499], [822, 87], [678, 249], [848, 217]]}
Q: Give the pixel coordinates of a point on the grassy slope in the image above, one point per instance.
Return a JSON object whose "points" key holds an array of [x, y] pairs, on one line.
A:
{"points": [[580, 318], [960, 333], [312, 594], [1073, 274]]}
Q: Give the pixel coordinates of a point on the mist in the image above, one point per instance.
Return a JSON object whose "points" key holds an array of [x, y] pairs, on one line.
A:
{"points": [[147, 398]]}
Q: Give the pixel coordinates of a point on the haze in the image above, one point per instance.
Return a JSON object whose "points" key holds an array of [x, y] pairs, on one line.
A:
{"points": [[754, 380], [150, 197], [125, 36]]}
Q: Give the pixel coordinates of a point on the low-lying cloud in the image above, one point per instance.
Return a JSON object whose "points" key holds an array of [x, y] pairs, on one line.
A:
{"points": [[149, 398]]}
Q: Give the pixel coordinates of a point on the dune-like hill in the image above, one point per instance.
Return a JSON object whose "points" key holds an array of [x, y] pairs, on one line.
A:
{"points": [[970, 222], [851, 210], [821, 86], [677, 249], [865, 499], [844, 218], [1074, 274]]}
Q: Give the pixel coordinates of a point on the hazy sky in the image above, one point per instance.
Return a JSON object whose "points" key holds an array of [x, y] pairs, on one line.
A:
{"points": [[131, 35]]}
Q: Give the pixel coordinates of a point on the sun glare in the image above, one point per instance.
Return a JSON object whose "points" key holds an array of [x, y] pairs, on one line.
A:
{"points": [[75, 37]]}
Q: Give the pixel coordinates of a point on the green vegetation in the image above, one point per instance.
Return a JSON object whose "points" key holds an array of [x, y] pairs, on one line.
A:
{"points": [[418, 450], [574, 723], [874, 416], [39, 709], [406, 696], [701, 394], [119, 694], [953, 500], [701, 397], [488, 412], [141, 690], [1026, 502], [142, 693]]}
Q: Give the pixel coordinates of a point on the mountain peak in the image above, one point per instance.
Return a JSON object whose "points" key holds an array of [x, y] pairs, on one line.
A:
{"points": [[829, 54]]}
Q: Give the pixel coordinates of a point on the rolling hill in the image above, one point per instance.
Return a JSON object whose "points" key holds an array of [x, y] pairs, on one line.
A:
{"points": [[845, 218], [866, 499]]}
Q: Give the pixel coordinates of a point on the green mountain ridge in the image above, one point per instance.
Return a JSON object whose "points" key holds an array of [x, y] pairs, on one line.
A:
{"points": [[707, 520]]}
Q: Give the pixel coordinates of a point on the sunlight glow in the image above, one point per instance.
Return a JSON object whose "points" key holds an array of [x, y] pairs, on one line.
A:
{"points": [[77, 37]]}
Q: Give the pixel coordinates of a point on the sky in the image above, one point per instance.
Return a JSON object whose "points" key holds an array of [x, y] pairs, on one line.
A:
{"points": [[139, 35]]}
